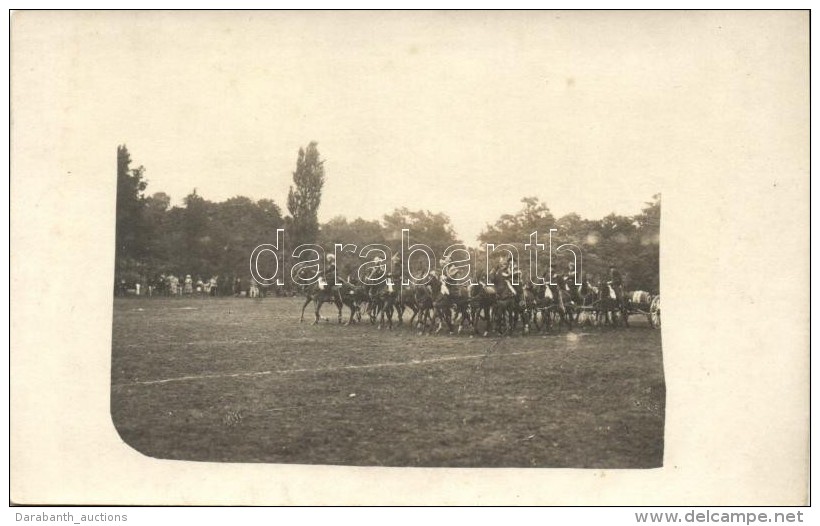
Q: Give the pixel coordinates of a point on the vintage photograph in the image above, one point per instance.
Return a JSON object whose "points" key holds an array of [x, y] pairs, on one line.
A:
{"points": [[410, 257], [375, 250]]}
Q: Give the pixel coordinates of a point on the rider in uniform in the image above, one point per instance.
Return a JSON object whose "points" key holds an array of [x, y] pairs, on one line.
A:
{"points": [[377, 270], [569, 282], [570, 275], [329, 275], [504, 272], [397, 267], [617, 282], [447, 274]]}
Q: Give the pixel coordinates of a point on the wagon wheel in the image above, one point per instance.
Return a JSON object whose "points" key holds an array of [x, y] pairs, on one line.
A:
{"points": [[655, 312]]}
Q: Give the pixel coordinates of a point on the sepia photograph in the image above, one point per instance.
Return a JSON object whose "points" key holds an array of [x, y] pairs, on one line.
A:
{"points": [[414, 239], [476, 294]]}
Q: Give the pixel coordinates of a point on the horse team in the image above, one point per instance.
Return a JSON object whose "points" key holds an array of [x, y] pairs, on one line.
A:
{"points": [[484, 308]]}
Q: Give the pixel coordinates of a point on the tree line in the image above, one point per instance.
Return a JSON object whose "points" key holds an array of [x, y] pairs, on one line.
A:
{"points": [[205, 238]]}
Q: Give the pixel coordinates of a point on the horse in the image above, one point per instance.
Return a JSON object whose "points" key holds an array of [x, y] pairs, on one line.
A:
{"points": [[461, 302], [353, 296], [563, 303], [543, 305], [481, 299], [552, 301], [442, 303], [423, 298], [587, 298], [320, 293], [383, 302], [611, 307], [526, 305], [406, 300]]}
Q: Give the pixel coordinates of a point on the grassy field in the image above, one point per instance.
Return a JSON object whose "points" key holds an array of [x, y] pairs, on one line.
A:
{"points": [[240, 380]]}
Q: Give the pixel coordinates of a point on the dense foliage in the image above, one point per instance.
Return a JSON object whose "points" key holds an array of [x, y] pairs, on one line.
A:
{"points": [[215, 239]]}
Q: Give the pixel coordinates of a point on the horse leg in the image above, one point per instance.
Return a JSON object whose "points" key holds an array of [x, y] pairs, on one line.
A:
{"points": [[465, 317], [488, 324], [302, 317], [428, 318], [475, 310], [421, 322], [501, 320], [443, 316], [318, 303]]}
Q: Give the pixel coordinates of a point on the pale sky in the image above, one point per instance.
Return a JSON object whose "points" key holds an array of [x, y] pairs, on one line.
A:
{"points": [[462, 113]]}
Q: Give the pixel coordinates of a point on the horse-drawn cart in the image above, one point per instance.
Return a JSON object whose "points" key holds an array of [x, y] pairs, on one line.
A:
{"points": [[645, 304]]}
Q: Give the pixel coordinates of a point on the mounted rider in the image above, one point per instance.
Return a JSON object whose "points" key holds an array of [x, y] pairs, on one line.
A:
{"points": [[328, 278], [448, 275], [570, 276], [503, 272], [397, 267], [568, 282], [617, 282], [379, 269]]}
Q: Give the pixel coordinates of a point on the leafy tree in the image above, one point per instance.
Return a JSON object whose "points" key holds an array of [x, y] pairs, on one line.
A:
{"points": [[515, 230], [358, 232], [155, 219], [630, 243], [433, 230], [305, 195], [196, 238], [239, 225], [130, 227], [644, 273], [509, 228]]}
